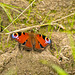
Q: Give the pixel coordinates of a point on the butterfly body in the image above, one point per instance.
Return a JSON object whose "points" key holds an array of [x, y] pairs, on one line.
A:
{"points": [[31, 40]]}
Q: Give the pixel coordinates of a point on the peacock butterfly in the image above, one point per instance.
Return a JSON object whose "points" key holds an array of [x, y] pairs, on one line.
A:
{"points": [[31, 40]]}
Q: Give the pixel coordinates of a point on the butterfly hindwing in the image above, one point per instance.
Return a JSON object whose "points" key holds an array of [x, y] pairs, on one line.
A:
{"points": [[37, 45], [28, 43]]}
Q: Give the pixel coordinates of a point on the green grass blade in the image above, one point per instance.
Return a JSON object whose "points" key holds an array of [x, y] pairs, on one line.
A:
{"points": [[45, 17], [10, 5], [59, 70], [73, 19], [14, 10], [8, 13], [11, 71], [72, 44], [6, 29]]}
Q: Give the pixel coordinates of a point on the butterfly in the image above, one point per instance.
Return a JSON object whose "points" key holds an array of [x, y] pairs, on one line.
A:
{"points": [[31, 40]]}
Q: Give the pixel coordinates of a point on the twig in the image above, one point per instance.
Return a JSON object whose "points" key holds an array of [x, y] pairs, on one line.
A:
{"points": [[63, 18], [27, 28], [36, 26], [60, 25], [65, 58], [19, 15]]}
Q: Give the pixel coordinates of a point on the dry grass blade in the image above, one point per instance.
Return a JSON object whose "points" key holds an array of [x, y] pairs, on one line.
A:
{"points": [[60, 25], [19, 15], [63, 18]]}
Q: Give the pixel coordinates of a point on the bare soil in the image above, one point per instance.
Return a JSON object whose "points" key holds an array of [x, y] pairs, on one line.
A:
{"points": [[31, 62]]}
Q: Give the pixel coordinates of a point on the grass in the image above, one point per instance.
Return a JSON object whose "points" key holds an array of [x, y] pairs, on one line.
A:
{"points": [[6, 29], [11, 71], [7, 8], [72, 44], [70, 33], [58, 69], [71, 21]]}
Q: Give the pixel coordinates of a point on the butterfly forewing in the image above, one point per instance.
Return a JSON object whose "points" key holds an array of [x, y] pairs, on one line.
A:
{"points": [[22, 38]]}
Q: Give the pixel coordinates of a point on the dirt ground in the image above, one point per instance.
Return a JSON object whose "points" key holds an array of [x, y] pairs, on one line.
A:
{"points": [[32, 62]]}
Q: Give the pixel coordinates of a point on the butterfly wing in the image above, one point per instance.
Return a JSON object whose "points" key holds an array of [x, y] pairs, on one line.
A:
{"points": [[41, 41], [22, 38]]}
